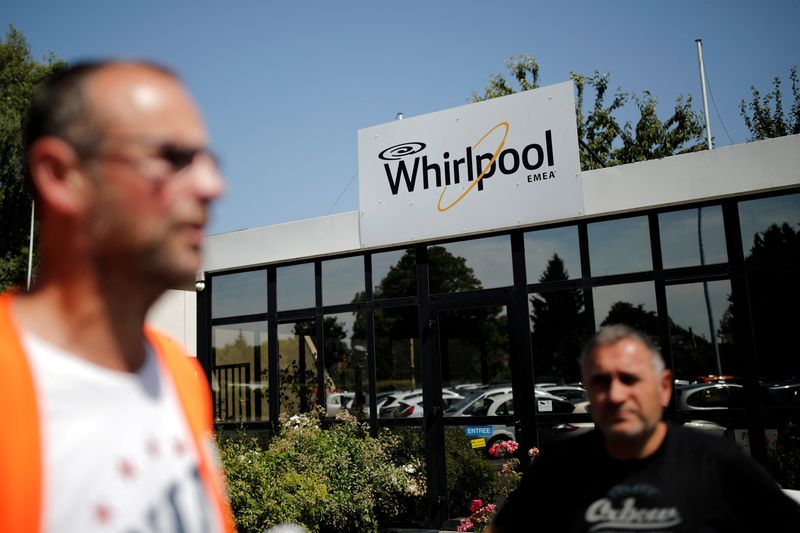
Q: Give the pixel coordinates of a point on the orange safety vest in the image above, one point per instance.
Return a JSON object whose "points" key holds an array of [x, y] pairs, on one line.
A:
{"points": [[21, 480]]}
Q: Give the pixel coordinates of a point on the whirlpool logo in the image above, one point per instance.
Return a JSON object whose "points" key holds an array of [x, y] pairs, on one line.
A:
{"points": [[406, 164]]}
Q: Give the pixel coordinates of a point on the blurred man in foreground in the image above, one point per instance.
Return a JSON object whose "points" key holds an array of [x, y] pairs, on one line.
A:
{"points": [[637, 472], [108, 424]]}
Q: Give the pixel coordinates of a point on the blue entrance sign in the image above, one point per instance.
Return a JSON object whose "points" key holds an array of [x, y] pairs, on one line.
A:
{"points": [[478, 431]]}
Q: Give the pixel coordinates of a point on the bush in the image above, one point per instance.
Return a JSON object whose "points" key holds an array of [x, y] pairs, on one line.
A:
{"points": [[339, 479]]}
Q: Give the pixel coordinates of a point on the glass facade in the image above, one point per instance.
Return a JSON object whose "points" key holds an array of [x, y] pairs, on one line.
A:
{"points": [[461, 344]]}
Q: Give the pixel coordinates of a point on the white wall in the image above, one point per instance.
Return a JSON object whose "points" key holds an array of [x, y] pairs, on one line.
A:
{"points": [[175, 313]]}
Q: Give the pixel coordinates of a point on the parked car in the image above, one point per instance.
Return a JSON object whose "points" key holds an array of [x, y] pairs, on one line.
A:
{"points": [[408, 404], [710, 396], [571, 393], [499, 401]]}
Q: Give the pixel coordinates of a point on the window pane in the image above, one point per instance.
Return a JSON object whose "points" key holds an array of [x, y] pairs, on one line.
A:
{"points": [[541, 249], [397, 359], [633, 304], [681, 244], [295, 287], [394, 274], [297, 367], [558, 333], [343, 280], [702, 347], [473, 346], [346, 377], [620, 246], [470, 265], [769, 227], [239, 374], [244, 293], [774, 296]]}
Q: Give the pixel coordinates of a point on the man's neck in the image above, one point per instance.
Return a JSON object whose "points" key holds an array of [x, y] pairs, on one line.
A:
{"points": [[631, 449], [99, 321]]}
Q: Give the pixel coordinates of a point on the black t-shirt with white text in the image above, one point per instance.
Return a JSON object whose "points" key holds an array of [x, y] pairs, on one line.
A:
{"points": [[694, 482]]}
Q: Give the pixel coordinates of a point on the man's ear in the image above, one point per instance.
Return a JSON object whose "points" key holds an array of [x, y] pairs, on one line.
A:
{"points": [[666, 387], [57, 174]]}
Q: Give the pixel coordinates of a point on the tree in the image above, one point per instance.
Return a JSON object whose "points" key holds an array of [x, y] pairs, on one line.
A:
{"points": [[19, 75], [604, 143], [767, 119]]}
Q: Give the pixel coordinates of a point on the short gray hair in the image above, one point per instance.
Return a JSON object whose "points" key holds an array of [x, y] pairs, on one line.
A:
{"points": [[612, 334]]}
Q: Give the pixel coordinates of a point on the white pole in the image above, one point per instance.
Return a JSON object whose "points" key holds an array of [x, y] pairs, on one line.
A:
{"points": [[709, 312], [30, 246], [703, 84]]}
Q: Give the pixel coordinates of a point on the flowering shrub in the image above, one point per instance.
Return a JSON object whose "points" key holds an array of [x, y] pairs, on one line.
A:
{"points": [[338, 479], [481, 516], [508, 480]]}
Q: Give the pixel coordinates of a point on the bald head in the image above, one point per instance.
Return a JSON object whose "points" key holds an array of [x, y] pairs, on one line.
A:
{"points": [[65, 105]]}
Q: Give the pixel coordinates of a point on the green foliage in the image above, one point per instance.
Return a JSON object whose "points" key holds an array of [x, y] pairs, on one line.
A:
{"points": [[19, 75], [766, 118], [339, 479], [604, 143]]}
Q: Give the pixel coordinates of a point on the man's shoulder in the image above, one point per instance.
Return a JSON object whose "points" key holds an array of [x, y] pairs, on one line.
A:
{"points": [[694, 440]]}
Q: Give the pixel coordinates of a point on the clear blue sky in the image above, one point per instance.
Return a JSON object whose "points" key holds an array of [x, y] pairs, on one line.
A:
{"points": [[286, 85]]}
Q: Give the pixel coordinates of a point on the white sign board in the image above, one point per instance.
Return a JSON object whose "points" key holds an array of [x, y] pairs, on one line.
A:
{"points": [[501, 163]]}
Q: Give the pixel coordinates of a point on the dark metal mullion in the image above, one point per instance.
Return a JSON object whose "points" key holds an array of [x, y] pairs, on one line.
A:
{"points": [[371, 363], [433, 423], [272, 348], [522, 367], [204, 329], [319, 326], [743, 327], [586, 276]]}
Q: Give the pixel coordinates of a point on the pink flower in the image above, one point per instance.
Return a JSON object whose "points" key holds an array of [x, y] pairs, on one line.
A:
{"points": [[466, 525], [490, 508], [533, 452], [475, 505]]}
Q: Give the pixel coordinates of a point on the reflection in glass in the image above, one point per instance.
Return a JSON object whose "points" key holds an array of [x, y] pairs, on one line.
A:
{"points": [[469, 265], [774, 296], [699, 345], [239, 381], [397, 361], [682, 246], [770, 227], [394, 274], [346, 371], [244, 293], [295, 287], [297, 367], [343, 280], [620, 246], [558, 333], [633, 304], [542, 247], [473, 347]]}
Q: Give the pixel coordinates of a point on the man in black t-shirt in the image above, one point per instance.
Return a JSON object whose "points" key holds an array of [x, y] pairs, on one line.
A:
{"points": [[636, 472]]}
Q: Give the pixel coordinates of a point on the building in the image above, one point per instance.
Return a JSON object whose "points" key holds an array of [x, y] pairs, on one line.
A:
{"points": [[701, 251]]}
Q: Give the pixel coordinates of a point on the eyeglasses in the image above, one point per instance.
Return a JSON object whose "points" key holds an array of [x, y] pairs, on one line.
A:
{"points": [[160, 157]]}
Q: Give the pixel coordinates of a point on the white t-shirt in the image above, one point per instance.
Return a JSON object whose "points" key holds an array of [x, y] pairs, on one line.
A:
{"points": [[118, 452]]}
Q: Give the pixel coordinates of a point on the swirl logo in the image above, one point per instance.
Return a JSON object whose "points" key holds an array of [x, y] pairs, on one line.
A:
{"points": [[398, 151]]}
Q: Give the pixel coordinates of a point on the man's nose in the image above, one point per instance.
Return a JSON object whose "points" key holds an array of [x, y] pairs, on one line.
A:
{"points": [[207, 179], [616, 391]]}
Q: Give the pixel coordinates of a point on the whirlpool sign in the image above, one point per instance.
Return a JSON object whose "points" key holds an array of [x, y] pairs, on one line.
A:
{"points": [[500, 163]]}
